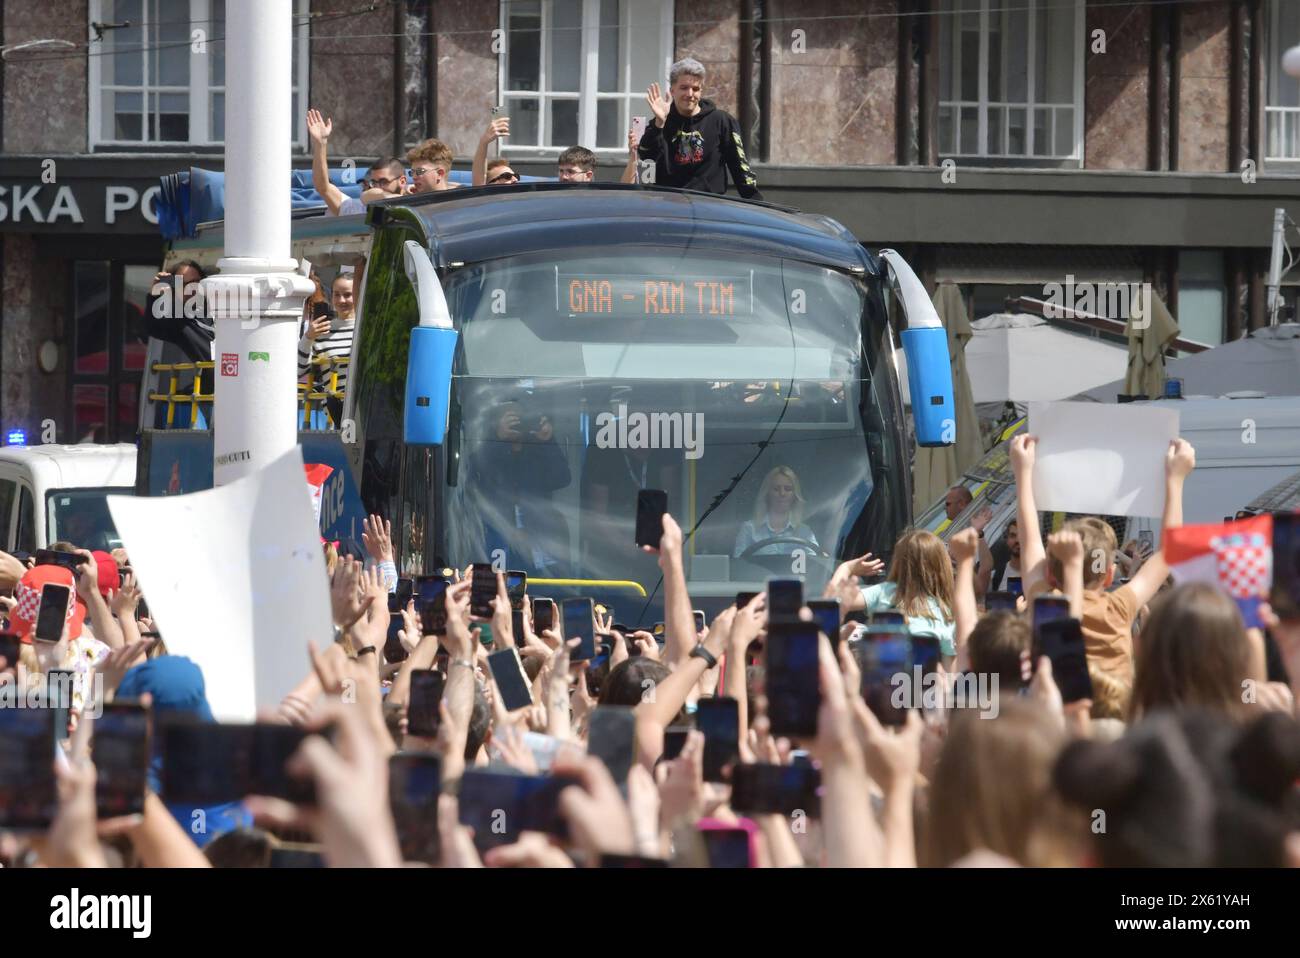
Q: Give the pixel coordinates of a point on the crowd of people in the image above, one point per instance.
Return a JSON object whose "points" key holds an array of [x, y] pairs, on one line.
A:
{"points": [[1181, 746]]}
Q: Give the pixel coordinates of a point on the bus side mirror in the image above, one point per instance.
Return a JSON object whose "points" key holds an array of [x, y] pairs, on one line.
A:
{"points": [[929, 370], [429, 358]]}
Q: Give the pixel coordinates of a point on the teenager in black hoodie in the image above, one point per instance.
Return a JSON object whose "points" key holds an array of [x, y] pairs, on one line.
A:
{"points": [[692, 142]]}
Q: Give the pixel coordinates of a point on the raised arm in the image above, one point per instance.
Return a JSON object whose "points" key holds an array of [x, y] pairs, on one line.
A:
{"points": [[965, 611], [1067, 546], [1180, 460], [679, 620], [500, 126], [1033, 557], [319, 130]]}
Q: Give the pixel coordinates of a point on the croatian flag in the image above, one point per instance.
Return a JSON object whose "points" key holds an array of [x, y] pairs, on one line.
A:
{"points": [[317, 473], [1236, 556]]}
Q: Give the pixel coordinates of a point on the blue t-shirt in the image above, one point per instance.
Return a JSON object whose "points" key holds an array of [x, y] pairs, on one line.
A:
{"points": [[884, 595]]}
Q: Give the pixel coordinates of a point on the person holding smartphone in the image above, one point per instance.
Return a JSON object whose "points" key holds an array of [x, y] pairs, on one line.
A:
{"points": [[327, 339]]}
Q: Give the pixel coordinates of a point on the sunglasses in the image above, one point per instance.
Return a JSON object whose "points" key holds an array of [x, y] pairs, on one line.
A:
{"points": [[505, 178], [380, 182]]}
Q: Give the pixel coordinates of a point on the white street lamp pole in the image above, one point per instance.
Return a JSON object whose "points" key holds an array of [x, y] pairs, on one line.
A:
{"points": [[257, 297]]}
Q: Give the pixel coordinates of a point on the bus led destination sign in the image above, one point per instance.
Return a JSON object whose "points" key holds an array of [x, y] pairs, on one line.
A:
{"points": [[632, 295]]}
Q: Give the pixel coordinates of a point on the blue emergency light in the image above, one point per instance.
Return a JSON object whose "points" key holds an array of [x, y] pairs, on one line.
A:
{"points": [[16, 437]]}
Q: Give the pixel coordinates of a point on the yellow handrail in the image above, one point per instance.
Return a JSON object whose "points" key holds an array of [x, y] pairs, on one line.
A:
{"points": [[603, 583], [173, 397]]}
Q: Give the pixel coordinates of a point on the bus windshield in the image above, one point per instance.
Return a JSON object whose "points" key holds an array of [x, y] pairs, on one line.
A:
{"points": [[81, 517], [737, 385]]}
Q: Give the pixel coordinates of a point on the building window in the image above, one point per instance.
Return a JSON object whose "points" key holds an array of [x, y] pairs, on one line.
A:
{"points": [[1282, 111], [1202, 296], [574, 71], [159, 79], [1011, 79], [110, 343]]}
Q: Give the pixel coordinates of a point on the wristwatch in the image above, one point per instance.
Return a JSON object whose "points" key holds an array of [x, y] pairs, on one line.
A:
{"points": [[980, 533], [338, 634], [700, 652], [366, 651]]}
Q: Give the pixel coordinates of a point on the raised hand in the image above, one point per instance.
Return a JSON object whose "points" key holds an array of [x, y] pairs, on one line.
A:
{"points": [[377, 536], [1180, 459], [347, 599], [964, 545], [1023, 454], [318, 127], [659, 103]]}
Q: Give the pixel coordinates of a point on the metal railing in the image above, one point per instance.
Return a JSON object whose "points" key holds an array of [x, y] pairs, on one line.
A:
{"points": [[1282, 126], [312, 398]]}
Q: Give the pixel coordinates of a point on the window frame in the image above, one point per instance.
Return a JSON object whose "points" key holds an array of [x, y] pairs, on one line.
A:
{"points": [[983, 103], [588, 77], [200, 89], [1274, 46]]}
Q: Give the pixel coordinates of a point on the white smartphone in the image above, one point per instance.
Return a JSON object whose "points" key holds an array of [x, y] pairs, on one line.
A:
{"points": [[638, 127]]}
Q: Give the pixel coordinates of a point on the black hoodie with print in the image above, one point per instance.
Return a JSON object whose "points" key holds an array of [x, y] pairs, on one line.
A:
{"points": [[694, 152]]}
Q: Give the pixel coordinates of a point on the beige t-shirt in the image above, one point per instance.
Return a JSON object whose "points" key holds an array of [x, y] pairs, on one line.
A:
{"points": [[1108, 630]]}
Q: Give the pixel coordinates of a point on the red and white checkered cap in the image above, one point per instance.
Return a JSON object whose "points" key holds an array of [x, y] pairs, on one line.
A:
{"points": [[28, 593]]}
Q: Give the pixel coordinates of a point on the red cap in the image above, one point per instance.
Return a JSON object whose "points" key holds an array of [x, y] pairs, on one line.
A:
{"points": [[28, 593], [109, 577]]}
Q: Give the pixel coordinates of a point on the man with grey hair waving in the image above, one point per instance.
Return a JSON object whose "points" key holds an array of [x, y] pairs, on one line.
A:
{"points": [[691, 141]]}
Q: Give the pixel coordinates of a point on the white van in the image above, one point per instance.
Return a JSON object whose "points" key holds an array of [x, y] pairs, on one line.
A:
{"points": [[50, 492]]}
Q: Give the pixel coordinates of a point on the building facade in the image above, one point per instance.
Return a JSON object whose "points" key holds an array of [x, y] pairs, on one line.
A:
{"points": [[1004, 147]]}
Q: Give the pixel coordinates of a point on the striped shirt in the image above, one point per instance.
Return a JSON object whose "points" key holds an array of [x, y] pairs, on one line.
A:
{"points": [[336, 344]]}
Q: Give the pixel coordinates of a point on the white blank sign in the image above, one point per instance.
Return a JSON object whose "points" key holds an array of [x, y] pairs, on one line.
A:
{"points": [[1101, 459]]}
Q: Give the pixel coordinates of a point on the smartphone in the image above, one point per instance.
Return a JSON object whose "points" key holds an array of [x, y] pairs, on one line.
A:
{"points": [[516, 586], [784, 599], [880, 659], [1015, 585], [674, 740], [67, 560], [1000, 601], [512, 682], [638, 127], [888, 617], [206, 763], [651, 504], [699, 621], [405, 591], [28, 796], [744, 598], [776, 790], [719, 720], [611, 737], [793, 678], [272, 747], [52, 612], [580, 623], [11, 644], [727, 846], [431, 604], [394, 651], [482, 590], [297, 856], [426, 695], [322, 310], [121, 754], [1062, 642], [1285, 597], [543, 615], [499, 805], [926, 652], [414, 784], [1147, 536], [58, 699], [826, 613], [1049, 608]]}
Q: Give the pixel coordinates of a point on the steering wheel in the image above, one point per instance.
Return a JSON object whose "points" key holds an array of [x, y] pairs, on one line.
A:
{"points": [[812, 547]]}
